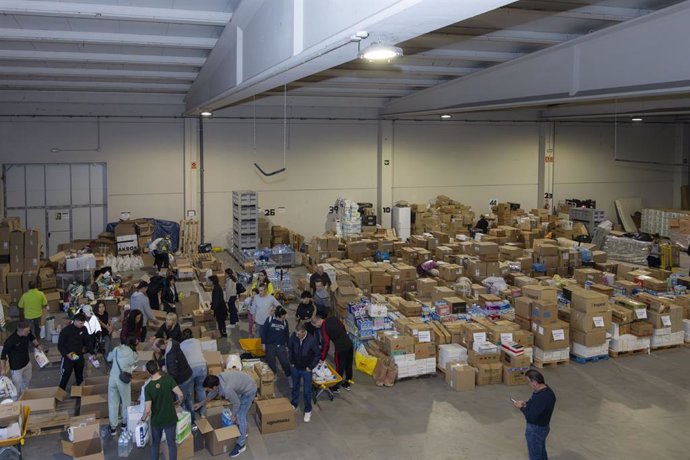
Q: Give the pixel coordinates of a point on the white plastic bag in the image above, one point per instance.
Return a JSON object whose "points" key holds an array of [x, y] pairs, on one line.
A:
{"points": [[142, 434], [41, 358], [7, 388]]}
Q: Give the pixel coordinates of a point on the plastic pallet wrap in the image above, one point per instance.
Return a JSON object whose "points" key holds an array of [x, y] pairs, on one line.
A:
{"points": [[627, 249]]}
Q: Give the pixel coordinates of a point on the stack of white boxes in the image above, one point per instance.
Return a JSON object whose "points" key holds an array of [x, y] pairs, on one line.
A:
{"points": [[402, 221], [451, 352]]}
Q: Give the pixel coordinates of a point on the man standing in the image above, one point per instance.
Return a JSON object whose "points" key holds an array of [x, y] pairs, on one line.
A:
{"points": [[160, 406], [161, 251], [33, 302], [174, 363], [319, 275], [140, 301], [16, 348], [238, 388], [322, 299], [332, 329], [537, 412], [263, 306], [73, 340], [304, 357]]}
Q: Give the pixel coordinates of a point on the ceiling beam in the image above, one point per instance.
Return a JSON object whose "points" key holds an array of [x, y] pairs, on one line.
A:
{"points": [[114, 12], [95, 85], [100, 38], [342, 92], [101, 58], [247, 61], [436, 70], [588, 13], [465, 55], [357, 81], [96, 73], [491, 35], [620, 62]]}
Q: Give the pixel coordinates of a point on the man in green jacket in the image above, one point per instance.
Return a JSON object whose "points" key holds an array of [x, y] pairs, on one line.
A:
{"points": [[33, 302]]}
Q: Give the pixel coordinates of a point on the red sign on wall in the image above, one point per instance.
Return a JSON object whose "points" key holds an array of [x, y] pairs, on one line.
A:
{"points": [[193, 164]]}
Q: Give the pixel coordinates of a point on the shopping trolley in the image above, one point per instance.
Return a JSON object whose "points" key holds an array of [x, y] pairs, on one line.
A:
{"points": [[325, 386], [15, 444], [253, 347]]}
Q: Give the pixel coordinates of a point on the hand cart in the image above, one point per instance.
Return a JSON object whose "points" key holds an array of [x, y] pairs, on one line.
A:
{"points": [[321, 386], [252, 346], [8, 445]]}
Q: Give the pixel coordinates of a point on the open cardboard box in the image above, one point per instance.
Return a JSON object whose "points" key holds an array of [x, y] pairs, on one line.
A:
{"points": [[40, 399], [90, 386], [95, 404], [219, 439], [86, 445]]}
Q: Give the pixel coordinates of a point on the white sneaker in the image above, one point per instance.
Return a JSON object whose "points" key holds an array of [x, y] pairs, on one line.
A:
{"points": [[307, 417]]}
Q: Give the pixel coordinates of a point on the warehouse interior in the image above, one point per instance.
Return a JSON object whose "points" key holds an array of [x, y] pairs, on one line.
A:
{"points": [[162, 108]]}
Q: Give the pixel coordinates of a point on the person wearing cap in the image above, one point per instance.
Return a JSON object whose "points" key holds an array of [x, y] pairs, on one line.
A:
{"points": [[140, 301]]}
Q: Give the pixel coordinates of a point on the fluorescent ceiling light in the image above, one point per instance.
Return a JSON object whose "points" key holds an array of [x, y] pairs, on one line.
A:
{"points": [[446, 116], [637, 119], [206, 114], [379, 52]]}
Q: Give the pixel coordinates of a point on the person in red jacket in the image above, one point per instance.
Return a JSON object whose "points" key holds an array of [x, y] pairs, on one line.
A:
{"points": [[333, 330]]}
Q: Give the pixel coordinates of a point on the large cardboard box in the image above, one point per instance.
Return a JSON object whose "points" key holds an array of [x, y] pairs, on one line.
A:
{"points": [[672, 317], [551, 336], [523, 307], [475, 358], [32, 244], [489, 374], [545, 294], [515, 375], [509, 360], [461, 377], [218, 439], [588, 301], [544, 312], [39, 399], [4, 241], [398, 344], [588, 339], [10, 413], [86, 445], [587, 322], [95, 404], [275, 415]]}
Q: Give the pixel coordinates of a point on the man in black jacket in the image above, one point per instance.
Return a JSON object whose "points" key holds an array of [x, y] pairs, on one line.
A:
{"points": [[174, 363], [73, 340], [537, 412], [332, 329], [16, 348], [304, 357]]}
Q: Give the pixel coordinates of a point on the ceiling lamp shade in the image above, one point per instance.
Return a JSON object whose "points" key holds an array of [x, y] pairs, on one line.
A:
{"points": [[379, 52]]}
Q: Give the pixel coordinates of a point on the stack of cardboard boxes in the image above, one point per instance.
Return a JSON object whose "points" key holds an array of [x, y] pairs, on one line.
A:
{"points": [[551, 335], [590, 321]]}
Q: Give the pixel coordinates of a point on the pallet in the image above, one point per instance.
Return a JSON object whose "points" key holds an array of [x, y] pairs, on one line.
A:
{"points": [[189, 236], [668, 347], [416, 377], [619, 354], [541, 364], [52, 422], [593, 359]]}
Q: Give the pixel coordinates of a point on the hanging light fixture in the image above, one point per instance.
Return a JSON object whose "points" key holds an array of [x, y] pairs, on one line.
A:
{"points": [[206, 113], [380, 52]]}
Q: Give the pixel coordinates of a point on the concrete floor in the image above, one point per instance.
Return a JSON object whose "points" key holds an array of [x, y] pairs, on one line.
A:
{"points": [[628, 408]]}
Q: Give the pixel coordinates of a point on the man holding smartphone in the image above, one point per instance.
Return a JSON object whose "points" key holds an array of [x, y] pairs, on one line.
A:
{"points": [[537, 412]]}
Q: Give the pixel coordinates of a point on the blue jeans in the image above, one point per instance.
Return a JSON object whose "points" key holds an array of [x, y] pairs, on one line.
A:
{"points": [[198, 375], [297, 376], [246, 401], [536, 441], [157, 434], [187, 388]]}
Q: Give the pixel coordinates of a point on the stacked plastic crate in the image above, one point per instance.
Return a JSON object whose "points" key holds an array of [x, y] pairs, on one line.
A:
{"points": [[245, 223]]}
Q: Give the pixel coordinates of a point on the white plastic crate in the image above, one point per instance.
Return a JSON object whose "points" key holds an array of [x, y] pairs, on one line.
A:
{"points": [[588, 352], [548, 356], [451, 352], [629, 342], [244, 212], [675, 338]]}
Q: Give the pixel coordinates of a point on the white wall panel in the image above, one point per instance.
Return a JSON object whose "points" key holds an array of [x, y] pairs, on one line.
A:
{"points": [[35, 185], [80, 184]]}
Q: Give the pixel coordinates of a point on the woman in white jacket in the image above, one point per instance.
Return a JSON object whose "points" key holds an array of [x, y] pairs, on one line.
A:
{"points": [[123, 359]]}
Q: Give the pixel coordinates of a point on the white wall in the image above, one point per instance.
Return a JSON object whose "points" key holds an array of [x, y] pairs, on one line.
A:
{"points": [[471, 163], [584, 164], [144, 157]]}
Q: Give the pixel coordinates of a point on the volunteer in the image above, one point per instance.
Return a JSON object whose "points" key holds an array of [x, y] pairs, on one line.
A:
{"points": [[263, 305], [262, 278], [139, 301], [169, 295], [231, 291], [170, 329], [654, 257], [305, 308], [153, 291], [537, 412], [160, 407], [238, 388], [482, 226], [101, 314], [322, 299], [73, 340], [160, 247], [304, 357], [332, 329], [124, 360], [132, 325], [218, 305], [16, 349], [33, 302], [319, 275], [93, 327], [274, 340], [173, 362], [192, 350]]}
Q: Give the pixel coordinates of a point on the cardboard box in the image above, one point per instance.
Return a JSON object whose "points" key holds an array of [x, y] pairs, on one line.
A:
{"points": [[544, 312], [489, 374], [588, 339], [475, 358], [509, 360], [275, 415], [588, 301], [398, 344], [39, 399], [551, 336], [95, 404], [218, 439], [10, 413], [587, 322], [461, 377], [86, 444], [32, 244], [425, 350], [515, 375], [545, 294], [523, 307]]}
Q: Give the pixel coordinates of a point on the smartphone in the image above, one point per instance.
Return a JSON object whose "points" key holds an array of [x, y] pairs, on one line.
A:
{"points": [[513, 399]]}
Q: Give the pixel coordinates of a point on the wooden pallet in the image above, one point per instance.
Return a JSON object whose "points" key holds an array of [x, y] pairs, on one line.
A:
{"points": [[668, 347], [618, 354], [592, 359], [541, 364], [416, 377], [52, 422], [189, 236]]}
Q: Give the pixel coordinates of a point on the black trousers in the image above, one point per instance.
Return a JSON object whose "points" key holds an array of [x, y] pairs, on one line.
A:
{"points": [[343, 363], [232, 308], [221, 325], [161, 259], [66, 368]]}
